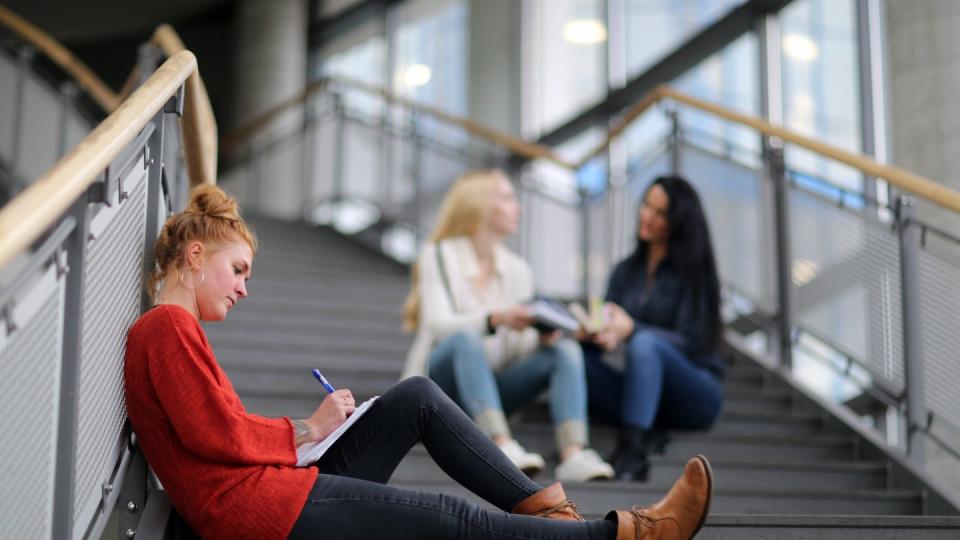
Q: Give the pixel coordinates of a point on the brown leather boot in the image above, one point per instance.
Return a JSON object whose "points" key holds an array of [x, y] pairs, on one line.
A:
{"points": [[550, 502], [679, 515]]}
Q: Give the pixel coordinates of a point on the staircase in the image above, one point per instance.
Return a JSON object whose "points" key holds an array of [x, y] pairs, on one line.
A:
{"points": [[784, 467]]}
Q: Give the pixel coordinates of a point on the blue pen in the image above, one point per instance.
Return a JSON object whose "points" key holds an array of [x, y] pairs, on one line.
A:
{"points": [[323, 381]]}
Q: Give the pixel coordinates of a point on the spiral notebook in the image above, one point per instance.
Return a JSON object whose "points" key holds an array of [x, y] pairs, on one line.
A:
{"points": [[309, 453]]}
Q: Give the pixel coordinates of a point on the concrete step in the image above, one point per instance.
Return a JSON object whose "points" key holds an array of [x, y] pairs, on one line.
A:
{"points": [[278, 325], [829, 527], [354, 341], [600, 497], [730, 474]]}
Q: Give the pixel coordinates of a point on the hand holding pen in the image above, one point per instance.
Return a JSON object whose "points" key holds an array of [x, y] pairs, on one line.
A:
{"points": [[333, 410]]}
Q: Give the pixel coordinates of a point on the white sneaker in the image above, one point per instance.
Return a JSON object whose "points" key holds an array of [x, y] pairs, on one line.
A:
{"points": [[528, 462], [582, 466]]}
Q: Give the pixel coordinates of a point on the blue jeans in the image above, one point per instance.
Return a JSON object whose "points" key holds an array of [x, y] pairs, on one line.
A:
{"points": [[659, 387], [459, 366], [350, 500]]}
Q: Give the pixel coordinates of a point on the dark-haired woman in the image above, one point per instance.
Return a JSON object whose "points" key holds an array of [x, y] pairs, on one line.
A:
{"points": [[664, 305]]}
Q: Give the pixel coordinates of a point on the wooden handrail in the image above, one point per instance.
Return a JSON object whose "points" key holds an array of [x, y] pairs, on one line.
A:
{"points": [[199, 125], [514, 144], [59, 55], [24, 219], [903, 179]]}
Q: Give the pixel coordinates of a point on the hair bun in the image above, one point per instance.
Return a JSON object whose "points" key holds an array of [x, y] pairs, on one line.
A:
{"points": [[211, 201]]}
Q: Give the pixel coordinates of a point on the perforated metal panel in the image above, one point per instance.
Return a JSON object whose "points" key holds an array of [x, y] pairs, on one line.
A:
{"points": [[845, 271], [112, 292], [30, 361], [362, 160], [735, 200], [940, 328]]}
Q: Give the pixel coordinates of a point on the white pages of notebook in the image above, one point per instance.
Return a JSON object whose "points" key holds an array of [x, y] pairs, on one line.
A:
{"points": [[311, 452]]}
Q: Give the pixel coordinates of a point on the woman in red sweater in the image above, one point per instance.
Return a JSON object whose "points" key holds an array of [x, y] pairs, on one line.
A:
{"points": [[233, 475]]}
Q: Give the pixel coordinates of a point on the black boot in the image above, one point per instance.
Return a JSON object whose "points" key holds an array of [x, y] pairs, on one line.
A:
{"points": [[630, 459]]}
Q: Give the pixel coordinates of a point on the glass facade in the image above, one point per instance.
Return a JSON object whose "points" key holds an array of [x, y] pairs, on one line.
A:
{"points": [[656, 27], [821, 93]]}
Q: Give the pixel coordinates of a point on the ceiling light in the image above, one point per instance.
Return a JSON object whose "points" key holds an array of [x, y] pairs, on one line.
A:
{"points": [[416, 75], [800, 48], [584, 32]]}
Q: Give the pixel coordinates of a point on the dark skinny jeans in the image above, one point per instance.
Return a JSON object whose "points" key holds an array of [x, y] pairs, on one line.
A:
{"points": [[350, 499]]}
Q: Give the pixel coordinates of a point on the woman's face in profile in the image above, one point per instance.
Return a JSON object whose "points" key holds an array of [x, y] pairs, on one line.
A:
{"points": [[226, 271], [504, 215], [652, 225]]}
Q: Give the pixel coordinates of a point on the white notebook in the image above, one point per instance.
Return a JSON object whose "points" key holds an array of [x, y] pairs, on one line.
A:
{"points": [[310, 452]]}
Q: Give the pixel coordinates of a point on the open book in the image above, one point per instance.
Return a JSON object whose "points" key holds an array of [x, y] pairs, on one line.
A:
{"points": [[308, 453], [549, 315]]}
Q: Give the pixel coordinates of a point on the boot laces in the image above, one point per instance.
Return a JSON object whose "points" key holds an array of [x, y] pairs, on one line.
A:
{"points": [[567, 503], [643, 520]]}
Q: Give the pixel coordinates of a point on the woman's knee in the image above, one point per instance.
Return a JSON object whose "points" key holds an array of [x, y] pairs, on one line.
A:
{"points": [[568, 355], [644, 343], [466, 342], [418, 387]]}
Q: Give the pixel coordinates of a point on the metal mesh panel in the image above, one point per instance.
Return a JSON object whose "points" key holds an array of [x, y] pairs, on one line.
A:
{"points": [[553, 245], [846, 276], [29, 390], [939, 293], [112, 291], [741, 222], [362, 160]]}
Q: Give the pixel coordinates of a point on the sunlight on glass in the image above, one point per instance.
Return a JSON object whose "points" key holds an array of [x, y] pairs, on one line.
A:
{"points": [[800, 48], [416, 75], [584, 32]]}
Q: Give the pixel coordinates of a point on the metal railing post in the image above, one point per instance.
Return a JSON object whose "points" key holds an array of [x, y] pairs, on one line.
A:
{"points": [[68, 94], [76, 246], [673, 142], [585, 240], [153, 153], [24, 59], [416, 171], [307, 162], [910, 233], [339, 145], [773, 156]]}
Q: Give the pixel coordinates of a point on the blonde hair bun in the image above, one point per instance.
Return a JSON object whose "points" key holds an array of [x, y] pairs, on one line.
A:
{"points": [[211, 201]]}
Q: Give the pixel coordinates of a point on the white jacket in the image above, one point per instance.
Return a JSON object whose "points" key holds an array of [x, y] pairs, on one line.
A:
{"points": [[439, 320]]}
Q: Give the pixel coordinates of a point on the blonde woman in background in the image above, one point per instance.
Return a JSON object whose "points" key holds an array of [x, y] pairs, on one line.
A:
{"points": [[475, 338]]}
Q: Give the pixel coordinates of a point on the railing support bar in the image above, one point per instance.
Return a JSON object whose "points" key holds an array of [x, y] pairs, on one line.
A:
{"points": [[773, 155], [24, 58], [76, 246], [912, 333]]}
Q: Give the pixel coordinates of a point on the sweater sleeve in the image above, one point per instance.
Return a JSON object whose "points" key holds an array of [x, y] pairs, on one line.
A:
{"points": [[436, 309], [207, 420]]}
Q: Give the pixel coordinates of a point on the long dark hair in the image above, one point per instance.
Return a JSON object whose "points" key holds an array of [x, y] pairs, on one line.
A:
{"points": [[690, 252]]}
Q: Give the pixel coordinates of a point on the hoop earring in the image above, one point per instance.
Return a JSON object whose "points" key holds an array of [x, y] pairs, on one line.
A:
{"points": [[192, 287]]}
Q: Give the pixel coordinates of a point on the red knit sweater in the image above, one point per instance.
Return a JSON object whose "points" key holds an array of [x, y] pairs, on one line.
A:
{"points": [[229, 473]]}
